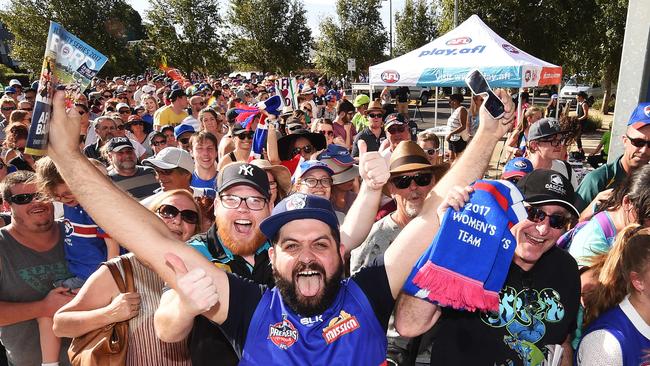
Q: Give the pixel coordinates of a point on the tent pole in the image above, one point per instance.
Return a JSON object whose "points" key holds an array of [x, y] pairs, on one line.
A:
{"points": [[519, 106], [435, 113]]}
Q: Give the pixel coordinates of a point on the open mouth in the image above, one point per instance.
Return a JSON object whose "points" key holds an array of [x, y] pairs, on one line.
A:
{"points": [[243, 226], [533, 240], [38, 210], [309, 282]]}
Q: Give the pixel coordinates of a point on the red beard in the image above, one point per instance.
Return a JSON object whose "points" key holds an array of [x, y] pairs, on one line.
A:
{"points": [[239, 247]]}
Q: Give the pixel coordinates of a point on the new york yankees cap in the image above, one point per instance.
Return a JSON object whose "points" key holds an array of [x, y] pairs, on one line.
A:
{"points": [[240, 173]]}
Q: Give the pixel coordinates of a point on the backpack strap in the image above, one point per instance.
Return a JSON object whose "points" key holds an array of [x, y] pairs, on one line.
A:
{"points": [[569, 169]]}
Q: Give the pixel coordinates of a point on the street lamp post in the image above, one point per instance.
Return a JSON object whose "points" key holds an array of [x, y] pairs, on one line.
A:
{"points": [[390, 27]]}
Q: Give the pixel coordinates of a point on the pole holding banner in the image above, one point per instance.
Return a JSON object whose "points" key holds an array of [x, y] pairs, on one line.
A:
{"points": [[69, 64]]}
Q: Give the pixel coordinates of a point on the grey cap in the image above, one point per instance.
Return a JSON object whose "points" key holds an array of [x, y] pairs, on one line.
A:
{"points": [[170, 158], [545, 127]]}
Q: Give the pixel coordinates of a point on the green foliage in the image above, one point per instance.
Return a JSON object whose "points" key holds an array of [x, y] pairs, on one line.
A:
{"points": [[359, 34], [269, 35], [592, 123], [106, 25], [414, 26], [186, 34], [598, 104]]}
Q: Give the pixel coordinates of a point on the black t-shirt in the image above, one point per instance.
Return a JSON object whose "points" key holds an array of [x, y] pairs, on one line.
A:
{"points": [[538, 308], [373, 142], [245, 296]]}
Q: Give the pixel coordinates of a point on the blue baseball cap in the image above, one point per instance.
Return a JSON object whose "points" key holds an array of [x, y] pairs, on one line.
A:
{"points": [[517, 167], [299, 206], [640, 117], [10, 89], [337, 153], [308, 165], [181, 129]]}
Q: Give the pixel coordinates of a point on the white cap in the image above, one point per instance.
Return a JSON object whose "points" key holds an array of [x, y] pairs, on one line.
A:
{"points": [[170, 158], [13, 82], [122, 105]]}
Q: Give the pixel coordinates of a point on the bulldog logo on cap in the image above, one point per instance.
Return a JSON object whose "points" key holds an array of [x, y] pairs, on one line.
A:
{"points": [[296, 201], [521, 164], [246, 170]]}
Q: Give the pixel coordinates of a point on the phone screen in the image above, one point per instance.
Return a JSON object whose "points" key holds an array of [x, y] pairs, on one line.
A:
{"points": [[478, 85]]}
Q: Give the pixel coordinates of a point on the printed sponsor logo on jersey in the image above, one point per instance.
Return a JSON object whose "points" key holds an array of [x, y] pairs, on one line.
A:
{"points": [[458, 41], [283, 334], [390, 76], [311, 320], [510, 48], [452, 51], [339, 326]]}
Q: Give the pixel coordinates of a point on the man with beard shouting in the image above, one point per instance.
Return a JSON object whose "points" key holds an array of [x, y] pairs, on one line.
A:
{"points": [[314, 317]]}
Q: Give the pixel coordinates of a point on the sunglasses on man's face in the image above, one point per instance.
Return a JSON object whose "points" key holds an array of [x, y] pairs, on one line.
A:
{"points": [[556, 221], [159, 142], [246, 135], [24, 198], [638, 142], [396, 129], [375, 115], [404, 181], [328, 133]]}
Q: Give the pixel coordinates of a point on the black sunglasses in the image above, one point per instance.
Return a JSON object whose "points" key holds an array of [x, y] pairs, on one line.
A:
{"points": [[246, 135], [295, 128], [24, 198], [396, 129], [158, 143], [432, 151], [638, 142], [404, 181], [307, 149], [170, 212], [328, 133], [375, 115], [537, 215]]}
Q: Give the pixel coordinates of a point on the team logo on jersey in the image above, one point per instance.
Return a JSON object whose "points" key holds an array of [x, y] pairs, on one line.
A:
{"points": [[68, 227], [339, 326], [521, 164], [283, 334]]}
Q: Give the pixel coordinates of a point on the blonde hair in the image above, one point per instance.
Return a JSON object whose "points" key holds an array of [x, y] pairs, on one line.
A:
{"points": [[157, 202]]}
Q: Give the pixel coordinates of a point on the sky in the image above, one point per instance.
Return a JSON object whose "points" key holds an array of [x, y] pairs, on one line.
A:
{"points": [[316, 10]]}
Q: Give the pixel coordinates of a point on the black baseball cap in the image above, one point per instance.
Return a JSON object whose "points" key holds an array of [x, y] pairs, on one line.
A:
{"points": [[545, 186], [545, 127], [175, 94], [240, 173], [119, 143], [299, 206]]}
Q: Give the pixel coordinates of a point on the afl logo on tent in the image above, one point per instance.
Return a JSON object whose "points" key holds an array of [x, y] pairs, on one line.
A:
{"points": [[509, 48], [458, 41], [390, 76]]}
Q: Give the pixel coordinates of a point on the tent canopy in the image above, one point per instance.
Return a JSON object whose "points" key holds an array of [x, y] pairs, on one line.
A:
{"points": [[472, 45]]}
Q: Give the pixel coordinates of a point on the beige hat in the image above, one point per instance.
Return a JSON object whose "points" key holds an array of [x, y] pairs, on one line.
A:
{"points": [[407, 157], [280, 173], [375, 105]]}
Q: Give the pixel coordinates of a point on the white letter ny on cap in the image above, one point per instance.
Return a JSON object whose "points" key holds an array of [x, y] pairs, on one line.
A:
{"points": [[246, 170]]}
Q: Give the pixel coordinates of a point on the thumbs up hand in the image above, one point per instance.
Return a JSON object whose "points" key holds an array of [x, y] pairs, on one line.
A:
{"points": [[196, 289], [373, 167]]}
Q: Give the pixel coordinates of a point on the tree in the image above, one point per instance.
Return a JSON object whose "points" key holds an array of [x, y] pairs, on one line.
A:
{"points": [[187, 34], [414, 26], [103, 24], [359, 34], [269, 35]]}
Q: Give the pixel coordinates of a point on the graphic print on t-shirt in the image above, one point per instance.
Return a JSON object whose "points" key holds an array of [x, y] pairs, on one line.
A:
{"points": [[283, 334], [524, 314]]}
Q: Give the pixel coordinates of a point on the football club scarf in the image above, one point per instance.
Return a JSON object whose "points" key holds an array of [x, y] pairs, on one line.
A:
{"points": [[467, 263]]}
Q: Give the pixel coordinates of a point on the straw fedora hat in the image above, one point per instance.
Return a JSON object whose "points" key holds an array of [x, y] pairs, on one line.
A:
{"points": [[375, 105], [280, 173]]}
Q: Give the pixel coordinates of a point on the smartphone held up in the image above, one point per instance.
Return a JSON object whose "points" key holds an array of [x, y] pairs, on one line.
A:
{"points": [[478, 85]]}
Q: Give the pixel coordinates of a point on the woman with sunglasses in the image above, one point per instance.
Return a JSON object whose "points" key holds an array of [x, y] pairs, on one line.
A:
{"points": [[324, 127], [100, 303], [430, 143], [243, 141], [137, 129], [617, 311]]}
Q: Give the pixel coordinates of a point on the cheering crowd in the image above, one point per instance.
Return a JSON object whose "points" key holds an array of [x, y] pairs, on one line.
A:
{"points": [[238, 230]]}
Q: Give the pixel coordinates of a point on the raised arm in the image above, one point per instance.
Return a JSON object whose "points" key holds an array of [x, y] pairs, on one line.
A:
{"points": [[419, 233], [128, 222], [373, 168]]}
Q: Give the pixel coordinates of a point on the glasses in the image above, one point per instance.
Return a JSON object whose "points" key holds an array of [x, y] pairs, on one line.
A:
{"points": [[313, 182], [295, 128], [125, 111], [170, 212], [537, 215], [159, 142], [432, 151], [230, 201], [184, 140], [555, 142], [375, 115], [396, 129], [307, 149], [328, 133], [638, 142], [246, 135], [24, 198], [8, 108], [404, 181]]}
